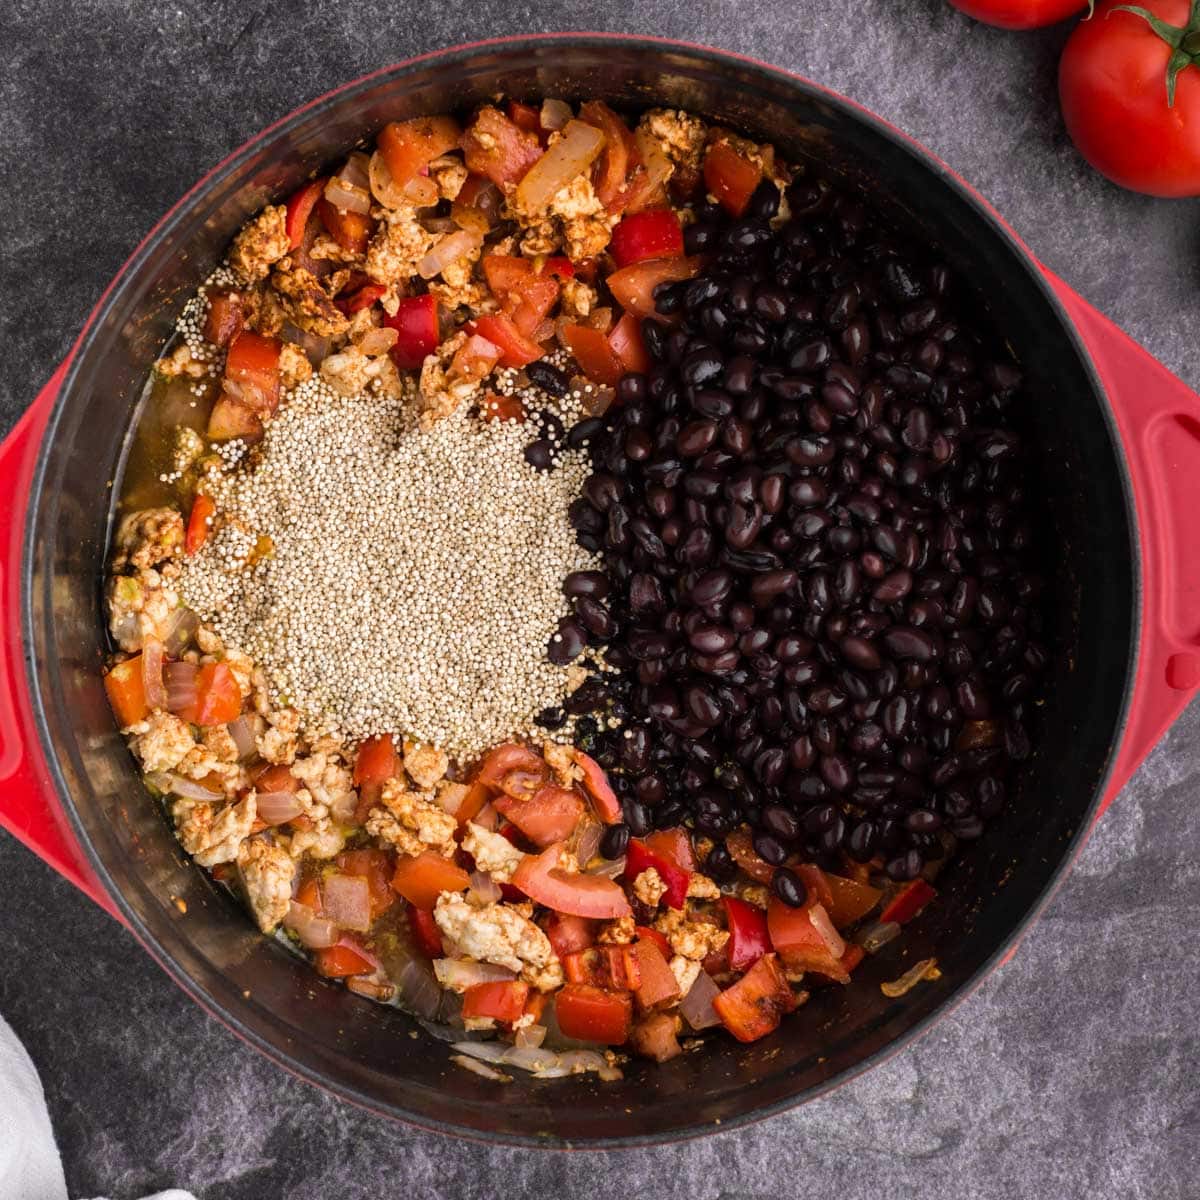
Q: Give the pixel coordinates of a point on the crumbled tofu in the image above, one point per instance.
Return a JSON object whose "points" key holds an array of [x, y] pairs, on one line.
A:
{"points": [[182, 362], [620, 932], [681, 138], [166, 742], [330, 250], [327, 778], [700, 887], [350, 371], [754, 893], [450, 795], [493, 854], [278, 747], [542, 237], [219, 744], [323, 841], [262, 242], [212, 834], [294, 367], [575, 199], [585, 237], [649, 888], [561, 760], [140, 607], [400, 242], [695, 939], [412, 822], [449, 174], [264, 310], [425, 764], [307, 304], [266, 873], [441, 392], [685, 971], [578, 298], [498, 933], [147, 538]]}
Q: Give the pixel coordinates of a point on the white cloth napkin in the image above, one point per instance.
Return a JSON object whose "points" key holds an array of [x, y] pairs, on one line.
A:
{"points": [[30, 1168]]}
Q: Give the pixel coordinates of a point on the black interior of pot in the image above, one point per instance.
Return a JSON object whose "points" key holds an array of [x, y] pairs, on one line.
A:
{"points": [[365, 1051]]}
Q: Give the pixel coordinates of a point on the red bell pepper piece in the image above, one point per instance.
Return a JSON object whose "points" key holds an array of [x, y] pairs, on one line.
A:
{"points": [[730, 177], [617, 968], [425, 931], [225, 316], [639, 857], [198, 527], [908, 901], [416, 324], [633, 287], [300, 207], [591, 1014], [376, 763], [347, 957], [252, 363], [127, 692], [675, 844], [815, 883], [568, 934], [754, 1006], [525, 116], [360, 298], [559, 265], [516, 350], [408, 147], [351, 230], [619, 155], [801, 943], [502, 1001], [627, 344], [655, 233], [748, 937]]}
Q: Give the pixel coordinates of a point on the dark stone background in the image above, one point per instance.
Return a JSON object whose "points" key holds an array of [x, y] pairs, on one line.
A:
{"points": [[1071, 1072]]}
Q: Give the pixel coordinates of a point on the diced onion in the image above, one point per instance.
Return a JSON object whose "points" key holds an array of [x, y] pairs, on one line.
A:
{"points": [[439, 225], [570, 156], [555, 114], [530, 1058], [484, 888], [460, 974], [376, 342], [600, 318], [189, 789], [152, 674], [277, 807], [343, 806], [487, 817], [697, 1006], [925, 969], [382, 186], [479, 1068], [346, 197], [181, 685], [347, 900], [315, 346], [316, 933], [657, 164], [418, 990], [588, 841], [609, 869], [244, 736], [824, 926], [448, 251], [531, 1036], [875, 937], [181, 630], [492, 1052], [420, 191]]}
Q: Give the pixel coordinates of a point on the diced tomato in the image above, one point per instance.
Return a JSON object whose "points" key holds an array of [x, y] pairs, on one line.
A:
{"points": [[535, 1006], [502, 1001], [853, 956], [376, 763], [351, 230], [850, 900], [754, 1006], [505, 272], [674, 844], [748, 937], [560, 266], [548, 816], [654, 1036], [225, 316], [815, 883], [502, 408], [477, 205], [127, 692], [423, 878], [534, 300], [516, 350], [627, 344], [252, 363], [591, 350], [730, 178], [580, 895], [617, 968], [203, 508], [218, 697], [801, 943], [478, 794], [375, 866], [231, 419], [595, 783], [475, 359], [639, 857], [346, 958], [309, 894], [619, 155], [276, 778], [655, 233], [362, 297], [509, 757], [908, 901], [645, 933], [658, 986], [569, 934], [495, 147], [300, 206], [416, 324], [591, 1014], [634, 286], [525, 116], [741, 847], [408, 147], [425, 931]]}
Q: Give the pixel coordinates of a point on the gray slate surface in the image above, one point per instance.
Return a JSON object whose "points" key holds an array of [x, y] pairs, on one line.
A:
{"points": [[1071, 1072]]}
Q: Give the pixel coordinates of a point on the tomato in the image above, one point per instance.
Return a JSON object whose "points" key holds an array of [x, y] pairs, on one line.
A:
{"points": [[1132, 111], [478, 794], [654, 1037], [348, 957], [730, 177], [516, 350], [408, 147], [658, 986], [741, 847], [850, 900], [526, 117], [425, 931], [277, 778], [362, 297], [639, 857], [421, 880], [300, 207], [252, 363], [754, 1006], [218, 697], [546, 817], [595, 356], [655, 233], [591, 1014], [376, 763], [800, 941], [815, 884], [569, 934], [561, 266], [501, 408], [503, 759], [495, 147], [674, 844], [748, 937], [579, 895], [351, 230], [309, 894], [505, 272], [618, 156], [475, 359], [198, 527], [908, 901], [533, 302], [225, 316], [126, 692], [231, 419], [595, 783], [627, 344], [1019, 14], [646, 934], [375, 866], [502, 1001], [633, 287], [617, 968]]}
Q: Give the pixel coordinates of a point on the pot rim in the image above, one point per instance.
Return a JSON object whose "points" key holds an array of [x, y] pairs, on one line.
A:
{"points": [[716, 58]]}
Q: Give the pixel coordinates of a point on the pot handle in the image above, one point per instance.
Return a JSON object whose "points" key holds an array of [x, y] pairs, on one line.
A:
{"points": [[1159, 421], [27, 794]]}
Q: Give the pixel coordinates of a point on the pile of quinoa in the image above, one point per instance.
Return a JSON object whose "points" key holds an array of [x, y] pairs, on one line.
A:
{"points": [[392, 580]]}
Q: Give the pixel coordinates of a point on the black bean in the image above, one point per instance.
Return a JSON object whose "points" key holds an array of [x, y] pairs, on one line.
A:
{"points": [[615, 841], [787, 885]]}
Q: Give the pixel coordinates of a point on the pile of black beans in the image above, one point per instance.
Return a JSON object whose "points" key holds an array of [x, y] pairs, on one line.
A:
{"points": [[818, 588]]}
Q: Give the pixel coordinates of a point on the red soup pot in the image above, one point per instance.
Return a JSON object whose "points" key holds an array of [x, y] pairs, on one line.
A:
{"points": [[1116, 441]]}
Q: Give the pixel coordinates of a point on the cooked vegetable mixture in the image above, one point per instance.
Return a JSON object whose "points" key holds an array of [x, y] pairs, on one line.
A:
{"points": [[586, 596]]}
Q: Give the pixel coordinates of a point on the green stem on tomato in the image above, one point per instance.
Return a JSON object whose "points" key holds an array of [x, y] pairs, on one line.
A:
{"points": [[1184, 40]]}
